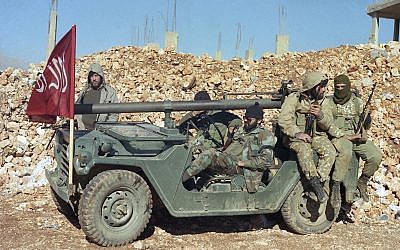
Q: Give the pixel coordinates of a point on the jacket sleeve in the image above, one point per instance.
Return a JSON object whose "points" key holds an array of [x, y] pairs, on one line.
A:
{"points": [[113, 98], [81, 95], [261, 153], [287, 117]]}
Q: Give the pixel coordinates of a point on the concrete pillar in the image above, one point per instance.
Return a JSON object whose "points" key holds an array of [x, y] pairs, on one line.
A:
{"points": [[396, 30], [154, 46], [52, 31], [373, 38], [249, 55], [218, 55], [171, 40], [282, 44]]}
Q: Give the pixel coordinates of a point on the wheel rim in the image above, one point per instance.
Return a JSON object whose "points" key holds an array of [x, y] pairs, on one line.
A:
{"points": [[118, 208], [309, 207], [310, 210]]}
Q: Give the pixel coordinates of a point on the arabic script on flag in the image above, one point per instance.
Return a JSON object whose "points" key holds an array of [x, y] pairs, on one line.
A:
{"points": [[53, 92]]}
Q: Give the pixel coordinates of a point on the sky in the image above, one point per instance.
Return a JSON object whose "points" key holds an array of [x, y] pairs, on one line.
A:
{"points": [[102, 24]]}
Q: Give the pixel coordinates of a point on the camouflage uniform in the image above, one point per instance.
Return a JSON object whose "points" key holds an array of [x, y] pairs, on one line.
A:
{"points": [[212, 128], [254, 148], [292, 120], [346, 117]]}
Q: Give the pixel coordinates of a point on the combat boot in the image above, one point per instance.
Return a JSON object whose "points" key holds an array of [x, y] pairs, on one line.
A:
{"points": [[362, 187], [335, 194], [318, 189]]}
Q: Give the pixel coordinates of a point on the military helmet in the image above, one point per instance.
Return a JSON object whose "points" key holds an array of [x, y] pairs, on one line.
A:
{"points": [[312, 79]]}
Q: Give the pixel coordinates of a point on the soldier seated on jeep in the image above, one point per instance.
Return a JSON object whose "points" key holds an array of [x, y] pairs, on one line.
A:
{"points": [[211, 126], [249, 152]]}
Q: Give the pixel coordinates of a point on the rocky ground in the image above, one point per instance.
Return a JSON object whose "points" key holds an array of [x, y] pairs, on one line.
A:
{"points": [[29, 219], [33, 222]]}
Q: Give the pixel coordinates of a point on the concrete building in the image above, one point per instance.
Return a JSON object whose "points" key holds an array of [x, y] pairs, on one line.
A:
{"points": [[389, 9], [171, 40], [282, 44]]}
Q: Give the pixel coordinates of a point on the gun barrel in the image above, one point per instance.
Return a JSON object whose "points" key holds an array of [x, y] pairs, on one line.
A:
{"points": [[170, 106]]}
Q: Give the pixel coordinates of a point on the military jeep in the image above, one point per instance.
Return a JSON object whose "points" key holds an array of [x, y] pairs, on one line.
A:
{"points": [[121, 169]]}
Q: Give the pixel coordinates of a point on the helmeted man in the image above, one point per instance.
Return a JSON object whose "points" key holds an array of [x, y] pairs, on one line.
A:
{"points": [[346, 110], [96, 91], [250, 152], [305, 120], [211, 126]]}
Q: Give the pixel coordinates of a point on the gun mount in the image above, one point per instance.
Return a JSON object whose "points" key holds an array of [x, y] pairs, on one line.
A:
{"points": [[173, 106]]}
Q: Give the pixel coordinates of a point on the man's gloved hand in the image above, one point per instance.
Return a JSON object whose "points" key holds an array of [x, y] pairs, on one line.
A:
{"points": [[231, 131], [304, 137], [315, 109], [357, 138]]}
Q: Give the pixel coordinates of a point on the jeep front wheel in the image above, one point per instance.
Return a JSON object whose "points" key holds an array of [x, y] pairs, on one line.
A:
{"points": [[115, 208], [303, 214]]}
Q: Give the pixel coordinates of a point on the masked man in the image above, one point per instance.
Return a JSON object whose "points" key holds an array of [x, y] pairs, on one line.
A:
{"points": [[346, 110]]}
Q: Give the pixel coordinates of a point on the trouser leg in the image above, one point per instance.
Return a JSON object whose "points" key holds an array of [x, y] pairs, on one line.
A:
{"points": [[326, 154], [305, 158], [307, 165], [202, 162], [344, 150], [371, 155]]}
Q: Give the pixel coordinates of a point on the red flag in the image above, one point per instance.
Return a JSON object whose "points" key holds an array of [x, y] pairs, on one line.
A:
{"points": [[53, 93]]}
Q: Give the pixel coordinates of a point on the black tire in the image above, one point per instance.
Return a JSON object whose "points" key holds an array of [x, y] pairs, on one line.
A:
{"points": [[62, 206], [115, 208], [303, 214]]}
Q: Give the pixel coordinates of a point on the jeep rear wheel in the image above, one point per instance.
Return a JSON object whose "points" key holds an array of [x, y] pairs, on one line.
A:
{"points": [[115, 208], [303, 214]]}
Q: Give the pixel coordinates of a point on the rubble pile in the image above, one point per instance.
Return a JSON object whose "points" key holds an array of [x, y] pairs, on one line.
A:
{"points": [[143, 74]]}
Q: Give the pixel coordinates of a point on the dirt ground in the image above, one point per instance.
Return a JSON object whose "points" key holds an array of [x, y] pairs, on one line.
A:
{"points": [[31, 221]]}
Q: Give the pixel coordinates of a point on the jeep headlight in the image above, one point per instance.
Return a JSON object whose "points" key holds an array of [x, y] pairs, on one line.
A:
{"points": [[83, 158], [105, 148]]}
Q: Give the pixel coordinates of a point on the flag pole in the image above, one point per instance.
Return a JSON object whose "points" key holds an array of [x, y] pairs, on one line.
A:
{"points": [[71, 156], [71, 116]]}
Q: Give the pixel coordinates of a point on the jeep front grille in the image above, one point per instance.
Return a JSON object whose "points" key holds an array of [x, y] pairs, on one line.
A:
{"points": [[62, 149]]}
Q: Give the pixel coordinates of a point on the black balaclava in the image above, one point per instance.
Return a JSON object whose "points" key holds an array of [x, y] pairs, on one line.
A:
{"points": [[343, 95], [202, 96]]}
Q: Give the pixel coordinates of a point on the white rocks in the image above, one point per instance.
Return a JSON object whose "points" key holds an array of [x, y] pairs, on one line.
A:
{"points": [[4, 143], [12, 126], [40, 131], [21, 143], [366, 82]]}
